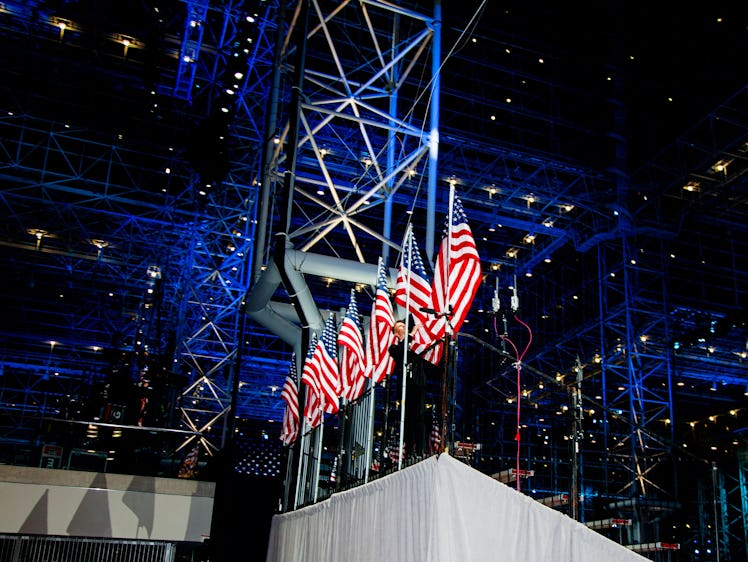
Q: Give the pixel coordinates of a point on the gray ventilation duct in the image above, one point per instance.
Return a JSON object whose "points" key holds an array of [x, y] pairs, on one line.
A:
{"points": [[262, 310], [284, 320]]}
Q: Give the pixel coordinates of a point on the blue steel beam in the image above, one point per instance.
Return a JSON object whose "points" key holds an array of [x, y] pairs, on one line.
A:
{"points": [[189, 52]]}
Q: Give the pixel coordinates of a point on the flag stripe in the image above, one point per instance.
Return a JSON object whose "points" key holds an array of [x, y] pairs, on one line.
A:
{"points": [[413, 290], [290, 395], [353, 356], [435, 440], [326, 357], [310, 377], [379, 361]]}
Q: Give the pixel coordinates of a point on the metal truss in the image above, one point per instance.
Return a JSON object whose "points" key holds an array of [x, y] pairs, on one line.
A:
{"points": [[189, 53], [168, 253], [359, 132], [730, 524], [336, 147], [221, 251], [644, 328], [636, 379], [355, 139]]}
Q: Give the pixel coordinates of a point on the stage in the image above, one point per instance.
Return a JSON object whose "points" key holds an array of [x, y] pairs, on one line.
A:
{"points": [[438, 510]]}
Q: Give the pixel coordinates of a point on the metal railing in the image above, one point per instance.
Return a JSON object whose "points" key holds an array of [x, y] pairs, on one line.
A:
{"points": [[35, 548]]}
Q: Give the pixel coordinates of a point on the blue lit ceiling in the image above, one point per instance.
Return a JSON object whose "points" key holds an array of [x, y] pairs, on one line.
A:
{"points": [[568, 141]]}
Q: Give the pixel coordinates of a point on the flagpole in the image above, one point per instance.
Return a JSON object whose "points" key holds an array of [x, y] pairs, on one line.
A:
{"points": [[380, 264], [318, 456], [371, 394], [447, 315], [289, 476], [407, 251], [385, 433], [295, 450], [303, 461], [303, 396], [344, 419], [370, 433]]}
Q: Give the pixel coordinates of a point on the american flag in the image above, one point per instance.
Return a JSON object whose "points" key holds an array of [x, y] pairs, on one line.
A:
{"points": [[457, 277], [334, 470], [353, 356], [310, 377], [413, 290], [392, 449], [458, 270], [427, 340], [189, 464], [435, 439], [290, 395], [378, 359], [325, 358]]}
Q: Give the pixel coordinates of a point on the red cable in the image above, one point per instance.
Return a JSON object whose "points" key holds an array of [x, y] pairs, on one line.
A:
{"points": [[519, 388]]}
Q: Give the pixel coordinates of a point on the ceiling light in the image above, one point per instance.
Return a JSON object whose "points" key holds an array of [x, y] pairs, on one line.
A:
{"points": [[721, 166]]}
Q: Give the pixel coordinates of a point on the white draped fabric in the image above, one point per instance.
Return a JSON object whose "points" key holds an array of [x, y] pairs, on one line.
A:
{"points": [[439, 510]]}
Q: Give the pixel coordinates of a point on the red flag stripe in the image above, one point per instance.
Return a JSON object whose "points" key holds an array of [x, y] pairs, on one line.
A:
{"points": [[290, 395], [310, 377], [353, 355], [379, 361], [325, 358], [413, 290]]}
